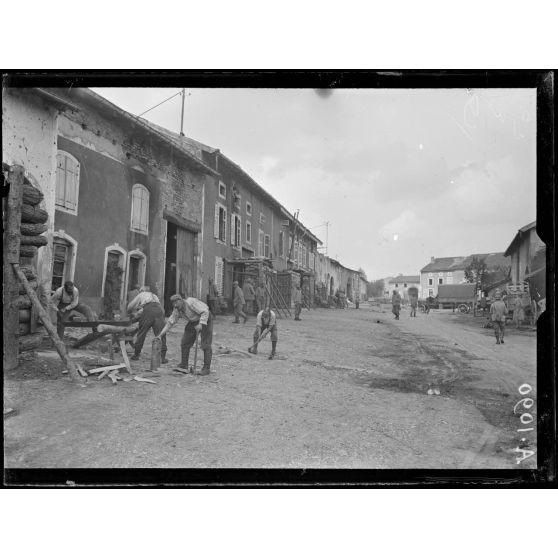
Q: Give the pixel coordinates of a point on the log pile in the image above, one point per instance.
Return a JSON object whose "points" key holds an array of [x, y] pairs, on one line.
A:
{"points": [[33, 224]]}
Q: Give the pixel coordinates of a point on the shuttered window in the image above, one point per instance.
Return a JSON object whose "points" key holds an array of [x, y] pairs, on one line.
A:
{"points": [[67, 182], [140, 209], [266, 245], [219, 275], [248, 232], [60, 263], [220, 225], [261, 243], [235, 230], [281, 243]]}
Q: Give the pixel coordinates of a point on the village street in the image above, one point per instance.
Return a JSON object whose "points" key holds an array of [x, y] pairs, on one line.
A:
{"points": [[349, 389]]}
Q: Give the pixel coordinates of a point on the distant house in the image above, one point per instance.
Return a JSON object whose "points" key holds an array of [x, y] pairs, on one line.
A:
{"points": [[527, 253], [401, 284], [451, 270]]}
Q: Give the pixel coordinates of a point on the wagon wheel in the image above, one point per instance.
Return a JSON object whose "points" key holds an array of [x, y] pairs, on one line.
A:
{"points": [[422, 308], [463, 308]]}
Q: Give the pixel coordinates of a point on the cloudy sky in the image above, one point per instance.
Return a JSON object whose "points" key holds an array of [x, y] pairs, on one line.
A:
{"points": [[400, 175]]}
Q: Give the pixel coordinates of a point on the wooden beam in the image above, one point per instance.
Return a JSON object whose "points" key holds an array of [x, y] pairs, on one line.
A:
{"points": [[11, 245], [58, 344]]}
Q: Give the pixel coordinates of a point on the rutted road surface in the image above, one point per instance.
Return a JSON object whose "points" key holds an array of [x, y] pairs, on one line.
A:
{"points": [[349, 389]]}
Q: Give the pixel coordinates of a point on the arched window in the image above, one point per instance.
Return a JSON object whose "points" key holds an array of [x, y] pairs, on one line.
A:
{"points": [[135, 269], [64, 249], [140, 209], [67, 182]]}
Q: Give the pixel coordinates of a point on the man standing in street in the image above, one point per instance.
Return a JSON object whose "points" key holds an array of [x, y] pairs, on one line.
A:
{"points": [[151, 316], [238, 303], [212, 296], [297, 299], [260, 297], [498, 313], [266, 322], [198, 320], [396, 304], [249, 294], [65, 299]]}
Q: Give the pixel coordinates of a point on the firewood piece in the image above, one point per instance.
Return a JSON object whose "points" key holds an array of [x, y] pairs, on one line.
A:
{"points": [[33, 229], [58, 344], [33, 214], [24, 315], [32, 284], [30, 342], [23, 301], [122, 344], [32, 195], [107, 328], [140, 379], [27, 251], [33, 241], [106, 369], [82, 371]]}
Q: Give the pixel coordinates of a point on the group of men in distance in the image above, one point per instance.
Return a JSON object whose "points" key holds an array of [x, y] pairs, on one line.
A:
{"points": [[498, 312]]}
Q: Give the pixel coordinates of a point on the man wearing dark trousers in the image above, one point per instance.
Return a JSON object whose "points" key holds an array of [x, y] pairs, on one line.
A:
{"points": [[152, 316], [297, 299], [266, 322], [198, 320], [66, 299]]}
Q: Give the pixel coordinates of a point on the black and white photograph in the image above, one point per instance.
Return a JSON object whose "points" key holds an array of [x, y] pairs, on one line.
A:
{"points": [[269, 275]]}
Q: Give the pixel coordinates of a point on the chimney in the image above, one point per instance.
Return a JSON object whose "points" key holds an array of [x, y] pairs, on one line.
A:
{"points": [[432, 259]]}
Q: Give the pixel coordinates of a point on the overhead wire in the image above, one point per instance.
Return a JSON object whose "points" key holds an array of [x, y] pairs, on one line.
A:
{"points": [[159, 104]]}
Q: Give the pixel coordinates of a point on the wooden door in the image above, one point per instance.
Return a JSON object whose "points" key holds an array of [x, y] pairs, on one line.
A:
{"points": [[185, 262]]}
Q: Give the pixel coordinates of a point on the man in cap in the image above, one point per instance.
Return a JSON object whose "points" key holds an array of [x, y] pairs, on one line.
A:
{"points": [[238, 303], [396, 304], [66, 299], [151, 316], [498, 313], [198, 319], [297, 299], [266, 322], [249, 295]]}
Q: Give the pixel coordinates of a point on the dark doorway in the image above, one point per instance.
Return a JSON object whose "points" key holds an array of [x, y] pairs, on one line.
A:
{"points": [[170, 267]]}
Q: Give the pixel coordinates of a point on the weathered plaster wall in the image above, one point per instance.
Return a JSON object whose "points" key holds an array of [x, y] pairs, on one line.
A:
{"points": [[29, 129]]}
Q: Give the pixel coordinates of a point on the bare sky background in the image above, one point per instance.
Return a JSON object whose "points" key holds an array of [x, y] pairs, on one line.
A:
{"points": [[401, 175]]}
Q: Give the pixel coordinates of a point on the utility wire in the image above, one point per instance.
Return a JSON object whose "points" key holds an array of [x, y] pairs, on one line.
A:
{"points": [[158, 105]]}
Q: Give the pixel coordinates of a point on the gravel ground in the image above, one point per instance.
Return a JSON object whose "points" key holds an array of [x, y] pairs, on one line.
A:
{"points": [[349, 390]]}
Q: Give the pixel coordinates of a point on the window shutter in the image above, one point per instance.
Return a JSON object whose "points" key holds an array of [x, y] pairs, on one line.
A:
{"points": [[144, 212], [60, 179], [219, 274], [216, 223], [233, 236], [225, 226], [136, 208], [71, 184]]}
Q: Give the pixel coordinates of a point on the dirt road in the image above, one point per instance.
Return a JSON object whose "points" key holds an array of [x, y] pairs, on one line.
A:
{"points": [[350, 389]]}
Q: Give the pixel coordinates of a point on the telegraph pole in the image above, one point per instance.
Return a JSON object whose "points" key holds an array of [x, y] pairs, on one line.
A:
{"points": [[182, 113]]}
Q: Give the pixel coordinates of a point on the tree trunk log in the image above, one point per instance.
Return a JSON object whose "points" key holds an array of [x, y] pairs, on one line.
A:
{"points": [[31, 342], [32, 195], [32, 284], [28, 251], [58, 344], [33, 241], [10, 310], [28, 271], [33, 214], [31, 229], [128, 330]]}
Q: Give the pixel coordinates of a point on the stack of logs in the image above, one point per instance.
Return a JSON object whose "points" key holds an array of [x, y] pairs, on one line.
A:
{"points": [[33, 224]]}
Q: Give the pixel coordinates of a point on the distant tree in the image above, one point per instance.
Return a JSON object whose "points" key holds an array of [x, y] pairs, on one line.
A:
{"points": [[376, 288], [476, 272], [362, 273]]}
